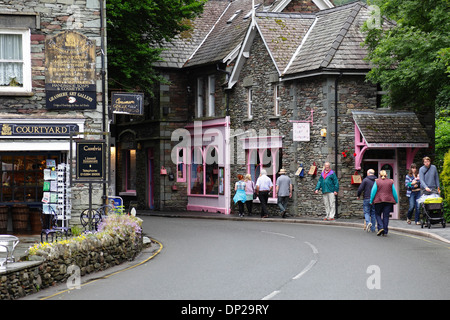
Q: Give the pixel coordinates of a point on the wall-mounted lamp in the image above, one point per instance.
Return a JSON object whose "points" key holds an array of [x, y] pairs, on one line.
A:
{"points": [[323, 133]]}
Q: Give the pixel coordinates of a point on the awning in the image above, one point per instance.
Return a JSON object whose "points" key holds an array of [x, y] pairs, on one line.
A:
{"points": [[378, 129]]}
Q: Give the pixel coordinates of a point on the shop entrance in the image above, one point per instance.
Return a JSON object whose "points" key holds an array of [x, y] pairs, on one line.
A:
{"points": [[390, 166]]}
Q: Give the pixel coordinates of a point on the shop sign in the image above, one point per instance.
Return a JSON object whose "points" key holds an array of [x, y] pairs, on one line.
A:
{"points": [[70, 77], [90, 160], [127, 103], [301, 131], [24, 130]]}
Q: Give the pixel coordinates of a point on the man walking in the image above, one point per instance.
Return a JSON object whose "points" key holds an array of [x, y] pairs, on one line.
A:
{"points": [[284, 191], [429, 177], [264, 186], [329, 184], [368, 209]]}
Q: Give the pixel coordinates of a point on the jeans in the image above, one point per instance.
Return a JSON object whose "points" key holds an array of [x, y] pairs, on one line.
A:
{"points": [[282, 203], [369, 213], [415, 195], [382, 211]]}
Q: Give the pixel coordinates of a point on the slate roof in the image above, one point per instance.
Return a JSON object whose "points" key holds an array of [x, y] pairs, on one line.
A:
{"points": [[212, 38], [333, 41], [390, 127], [283, 34], [178, 51], [298, 43]]}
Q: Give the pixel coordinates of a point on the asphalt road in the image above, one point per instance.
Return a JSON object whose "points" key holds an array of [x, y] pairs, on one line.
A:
{"points": [[243, 260]]}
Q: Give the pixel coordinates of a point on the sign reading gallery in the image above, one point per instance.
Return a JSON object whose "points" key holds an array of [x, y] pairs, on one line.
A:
{"points": [[70, 81]]}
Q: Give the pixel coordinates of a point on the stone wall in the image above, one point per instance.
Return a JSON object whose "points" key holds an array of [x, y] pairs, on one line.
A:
{"points": [[89, 256]]}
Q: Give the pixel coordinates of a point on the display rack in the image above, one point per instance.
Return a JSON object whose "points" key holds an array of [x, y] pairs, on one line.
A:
{"points": [[57, 192]]}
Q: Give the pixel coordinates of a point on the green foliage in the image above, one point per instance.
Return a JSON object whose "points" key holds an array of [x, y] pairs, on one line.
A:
{"points": [[136, 30], [442, 138], [411, 56], [445, 185]]}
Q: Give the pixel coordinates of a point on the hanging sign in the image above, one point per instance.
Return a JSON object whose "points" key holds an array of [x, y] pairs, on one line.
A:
{"points": [[127, 103]]}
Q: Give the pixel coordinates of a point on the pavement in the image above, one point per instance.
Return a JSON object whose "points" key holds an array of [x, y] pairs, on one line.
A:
{"points": [[436, 231]]}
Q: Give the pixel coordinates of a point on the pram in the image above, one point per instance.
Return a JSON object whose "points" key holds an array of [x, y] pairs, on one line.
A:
{"points": [[432, 211]]}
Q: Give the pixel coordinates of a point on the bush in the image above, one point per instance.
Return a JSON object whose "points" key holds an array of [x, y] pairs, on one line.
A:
{"points": [[445, 185]]}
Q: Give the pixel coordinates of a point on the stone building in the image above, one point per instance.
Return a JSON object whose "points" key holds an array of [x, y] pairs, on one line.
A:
{"points": [[258, 89], [52, 74]]}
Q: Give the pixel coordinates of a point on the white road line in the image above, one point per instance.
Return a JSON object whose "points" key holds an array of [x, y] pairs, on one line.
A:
{"points": [[270, 296], [278, 234], [307, 268], [314, 249]]}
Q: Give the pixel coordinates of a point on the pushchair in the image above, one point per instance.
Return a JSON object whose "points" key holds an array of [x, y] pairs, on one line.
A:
{"points": [[432, 212]]}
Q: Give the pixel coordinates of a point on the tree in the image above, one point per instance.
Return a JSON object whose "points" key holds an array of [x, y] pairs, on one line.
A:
{"points": [[411, 58], [136, 31]]}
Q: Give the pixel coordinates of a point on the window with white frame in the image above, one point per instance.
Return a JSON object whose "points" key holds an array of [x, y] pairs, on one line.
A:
{"points": [[15, 61], [206, 91], [264, 158], [276, 99], [211, 95], [250, 103]]}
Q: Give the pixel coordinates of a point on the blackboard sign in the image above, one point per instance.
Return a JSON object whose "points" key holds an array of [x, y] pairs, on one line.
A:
{"points": [[89, 160], [127, 103]]}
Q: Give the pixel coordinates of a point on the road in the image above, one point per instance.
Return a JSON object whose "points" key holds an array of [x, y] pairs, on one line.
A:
{"points": [[234, 260]]}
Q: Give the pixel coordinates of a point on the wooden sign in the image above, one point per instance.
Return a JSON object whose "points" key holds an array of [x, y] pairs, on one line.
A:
{"points": [[70, 77]]}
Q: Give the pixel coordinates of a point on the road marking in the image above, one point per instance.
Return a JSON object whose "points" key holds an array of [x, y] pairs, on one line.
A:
{"points": [[278, 234], [307, 268], [314, 249], [270, 296]]}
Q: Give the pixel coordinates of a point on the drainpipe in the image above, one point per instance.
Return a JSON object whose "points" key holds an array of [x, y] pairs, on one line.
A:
{"points": [[336, 151], [103, 53]]}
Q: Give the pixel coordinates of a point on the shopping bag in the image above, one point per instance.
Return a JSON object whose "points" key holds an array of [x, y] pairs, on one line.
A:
{"points": [[313, 169], [356, 178]]}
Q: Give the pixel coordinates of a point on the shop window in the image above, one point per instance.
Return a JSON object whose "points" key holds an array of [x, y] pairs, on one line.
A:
{"points": [[268, 159], [129, 174], [23, 177], [204, 171], [15, 61]]}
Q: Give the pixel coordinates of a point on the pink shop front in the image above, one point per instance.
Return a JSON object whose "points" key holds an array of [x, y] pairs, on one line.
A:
{"points": [[202, 163], [388, 141]]}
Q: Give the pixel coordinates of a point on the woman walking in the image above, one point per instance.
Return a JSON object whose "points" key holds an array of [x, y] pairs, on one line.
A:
{"points": [[383, 196], [249, 192], [412, 184], [240, 197]]}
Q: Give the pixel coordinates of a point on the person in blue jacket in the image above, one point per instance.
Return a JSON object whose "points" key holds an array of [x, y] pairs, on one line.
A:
{"points": [[383, 196]]}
